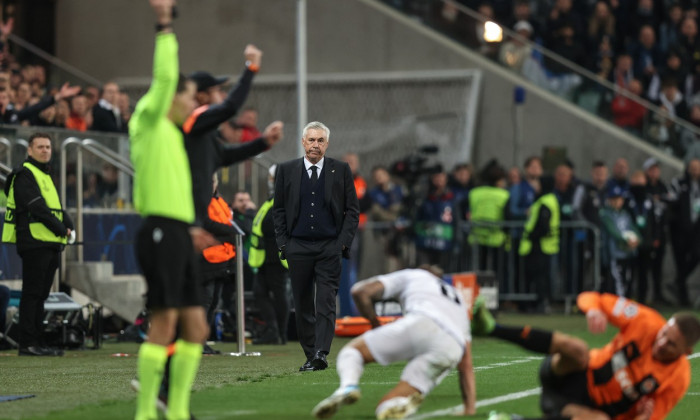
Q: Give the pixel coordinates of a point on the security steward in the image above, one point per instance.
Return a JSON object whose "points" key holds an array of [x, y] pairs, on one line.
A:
{"points": [[270, 287], [487, 204], [540, 243], [36, 222]]}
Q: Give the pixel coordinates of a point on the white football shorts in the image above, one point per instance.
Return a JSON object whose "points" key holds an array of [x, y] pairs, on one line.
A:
{"points": [[430, 350]]}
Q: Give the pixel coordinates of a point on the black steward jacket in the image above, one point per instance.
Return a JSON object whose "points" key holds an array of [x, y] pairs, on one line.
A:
{"points": [[207, 154]]}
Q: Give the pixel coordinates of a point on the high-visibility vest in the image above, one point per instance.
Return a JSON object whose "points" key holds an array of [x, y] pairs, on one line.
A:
{"points": [[361, 190], [220, 212], [38, 230], [487, 204], [550, 242], [256, 254]]}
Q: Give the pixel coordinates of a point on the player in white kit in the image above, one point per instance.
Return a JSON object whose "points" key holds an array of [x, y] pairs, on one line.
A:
{"points": [[433, 335]]}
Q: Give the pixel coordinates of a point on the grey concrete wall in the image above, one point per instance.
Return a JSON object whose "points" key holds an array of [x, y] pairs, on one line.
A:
{"points": [[114, 38]]}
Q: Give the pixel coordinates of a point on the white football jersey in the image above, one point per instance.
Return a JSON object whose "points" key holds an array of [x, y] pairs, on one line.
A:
{"points": [[420, 292]]}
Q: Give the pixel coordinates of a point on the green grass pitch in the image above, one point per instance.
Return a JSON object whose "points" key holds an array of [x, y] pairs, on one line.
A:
{"points": [[94, 385]]}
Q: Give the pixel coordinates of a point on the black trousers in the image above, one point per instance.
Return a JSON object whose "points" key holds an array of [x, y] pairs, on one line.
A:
{"points": [[270, 291], [314, 266], [38, 269]]}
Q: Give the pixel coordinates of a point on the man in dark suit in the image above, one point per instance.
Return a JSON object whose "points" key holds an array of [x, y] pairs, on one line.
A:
{"points": [[316, 213]]}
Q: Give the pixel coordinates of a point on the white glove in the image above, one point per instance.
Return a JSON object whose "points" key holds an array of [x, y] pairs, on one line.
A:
{"points": [[71, 237]]}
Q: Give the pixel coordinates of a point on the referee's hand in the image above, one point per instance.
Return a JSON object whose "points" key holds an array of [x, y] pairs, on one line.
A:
{"points": [[201, 239]]}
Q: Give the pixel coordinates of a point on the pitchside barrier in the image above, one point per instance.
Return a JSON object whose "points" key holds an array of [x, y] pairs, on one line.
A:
{"points": [[470, 285], [385, 247]]}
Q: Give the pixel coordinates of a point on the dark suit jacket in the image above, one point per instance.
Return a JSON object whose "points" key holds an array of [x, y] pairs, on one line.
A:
{"points": [[104, 120], [340, 197]]}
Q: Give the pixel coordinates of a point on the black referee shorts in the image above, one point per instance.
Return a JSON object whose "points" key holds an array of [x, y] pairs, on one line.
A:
{"points": [[166, 256]]}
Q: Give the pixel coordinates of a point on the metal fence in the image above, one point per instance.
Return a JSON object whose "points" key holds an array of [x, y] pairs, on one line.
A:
{"points": [[385, 247]]}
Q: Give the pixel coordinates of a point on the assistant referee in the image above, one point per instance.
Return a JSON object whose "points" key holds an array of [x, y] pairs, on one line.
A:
{"points": [[166, 242]]}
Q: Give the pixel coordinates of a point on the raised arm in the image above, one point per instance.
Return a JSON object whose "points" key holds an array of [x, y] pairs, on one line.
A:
{"points": [[156, 102], [231, 154], [216, 114]]}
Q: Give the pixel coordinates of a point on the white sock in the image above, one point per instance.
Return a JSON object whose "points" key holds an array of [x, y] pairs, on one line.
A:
{"points": [[349, 365]]}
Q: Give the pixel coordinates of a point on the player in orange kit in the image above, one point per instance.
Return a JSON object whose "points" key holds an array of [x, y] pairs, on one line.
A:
{"points": [[641, 374]]}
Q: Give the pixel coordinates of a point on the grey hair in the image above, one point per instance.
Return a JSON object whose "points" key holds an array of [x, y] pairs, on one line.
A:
{"points": [[317, 126]]}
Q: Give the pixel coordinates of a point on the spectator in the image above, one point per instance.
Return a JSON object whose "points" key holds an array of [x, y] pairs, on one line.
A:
{"points": [[564, 42], [514, 52], [472, 32], [124, 105], [689, 141], [24, 94], [601, 25], [523, 194], [622, 73], [589, 200], [387, 206], [92, 94], [602, 65], [230, 132], [62, 113], [627, 112], [9, 115], [248, 121], [646, 55], [522, 12], [659, 194], [642, 15], [620, 241], [594, 193], [350, 266], [640, 205], [435, 223], [513, 177], [619, 178], [109, 185], [690, 45], [244, 210], [672, 103], [684, 226], [560, 16], [460, 181], [105, 114], [78, 119], [670, 28], [672, 69]]}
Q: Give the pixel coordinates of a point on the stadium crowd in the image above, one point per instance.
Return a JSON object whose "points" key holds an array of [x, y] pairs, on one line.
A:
{"points": [[649, 48]]}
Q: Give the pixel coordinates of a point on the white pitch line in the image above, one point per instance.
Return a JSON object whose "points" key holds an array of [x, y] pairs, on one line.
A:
{"points": [[505, 364], [507, 397], [482, 403]]}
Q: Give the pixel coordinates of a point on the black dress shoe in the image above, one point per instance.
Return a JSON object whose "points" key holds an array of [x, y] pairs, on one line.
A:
{"points": [[306, 367], [319, 361], [37, 351]]}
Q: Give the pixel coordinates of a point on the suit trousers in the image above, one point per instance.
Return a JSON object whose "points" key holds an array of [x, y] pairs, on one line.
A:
{"points": [[314, 266], [38, 268]]}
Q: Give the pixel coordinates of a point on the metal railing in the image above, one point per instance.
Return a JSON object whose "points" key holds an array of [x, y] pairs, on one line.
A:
{"points": [[578, 265]]}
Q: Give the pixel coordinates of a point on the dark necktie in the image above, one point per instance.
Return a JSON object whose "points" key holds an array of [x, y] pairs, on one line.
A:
{"points": [[314, 175]]}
